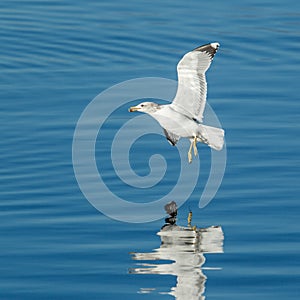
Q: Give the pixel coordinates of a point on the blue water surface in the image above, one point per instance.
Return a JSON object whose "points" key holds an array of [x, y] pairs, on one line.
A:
{"points": [[56, 56]]}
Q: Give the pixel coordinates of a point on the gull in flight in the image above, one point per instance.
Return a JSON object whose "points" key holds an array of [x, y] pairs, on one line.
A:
{"points": [[183, 117]]}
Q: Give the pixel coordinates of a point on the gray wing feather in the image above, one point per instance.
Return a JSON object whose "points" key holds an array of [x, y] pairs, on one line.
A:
{"points": [[191, 93], [171, 137]]}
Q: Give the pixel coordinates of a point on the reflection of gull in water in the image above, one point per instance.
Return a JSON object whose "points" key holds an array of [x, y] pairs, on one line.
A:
{"points": [[182, 117], [185, 247]]}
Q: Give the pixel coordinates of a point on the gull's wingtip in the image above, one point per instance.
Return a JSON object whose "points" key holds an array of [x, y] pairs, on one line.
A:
{"points": [[210, 49]]}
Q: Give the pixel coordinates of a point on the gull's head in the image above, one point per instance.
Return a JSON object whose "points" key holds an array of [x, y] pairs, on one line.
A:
{"points": [[146, 107]]}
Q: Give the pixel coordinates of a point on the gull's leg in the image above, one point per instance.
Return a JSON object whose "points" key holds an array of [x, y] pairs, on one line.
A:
{"points": [[195, 146], [190, 152], [190, 215]]}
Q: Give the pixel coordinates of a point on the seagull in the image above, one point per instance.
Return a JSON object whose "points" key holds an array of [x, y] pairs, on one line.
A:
{"points": [[183, 117]]}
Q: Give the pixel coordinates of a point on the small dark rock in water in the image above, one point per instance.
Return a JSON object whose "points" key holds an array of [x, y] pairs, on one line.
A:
{"points": [[171, 209], [171, 220]]}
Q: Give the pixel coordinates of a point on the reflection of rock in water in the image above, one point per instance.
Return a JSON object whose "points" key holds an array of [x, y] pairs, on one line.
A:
{"points": [[185, 247]]}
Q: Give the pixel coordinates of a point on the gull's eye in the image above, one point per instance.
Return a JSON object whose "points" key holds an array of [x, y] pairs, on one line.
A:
{"points": [[142, 105]]}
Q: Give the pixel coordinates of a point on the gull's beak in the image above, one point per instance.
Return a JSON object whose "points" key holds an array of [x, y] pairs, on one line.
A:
{"points": [[133, 108]]}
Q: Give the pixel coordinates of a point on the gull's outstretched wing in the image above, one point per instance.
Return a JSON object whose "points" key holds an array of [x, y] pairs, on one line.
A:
{"points": [[190, 98]]}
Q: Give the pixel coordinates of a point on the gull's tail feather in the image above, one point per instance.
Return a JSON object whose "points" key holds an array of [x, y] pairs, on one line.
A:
{"points": [[212, 136]]}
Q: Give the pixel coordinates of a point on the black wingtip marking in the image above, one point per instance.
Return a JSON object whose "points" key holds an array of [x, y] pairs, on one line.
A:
{"points": [[211, 49]]}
